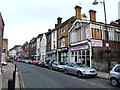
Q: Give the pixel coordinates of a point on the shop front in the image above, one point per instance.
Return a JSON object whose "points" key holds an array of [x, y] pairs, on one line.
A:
{"points": [[80, 54], [63, 55], [52, 55]]}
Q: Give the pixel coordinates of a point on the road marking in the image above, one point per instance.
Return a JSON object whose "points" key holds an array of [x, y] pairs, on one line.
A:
{"points": [[22, 82]]}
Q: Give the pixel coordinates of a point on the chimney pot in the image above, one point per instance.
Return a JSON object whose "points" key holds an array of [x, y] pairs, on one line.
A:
{"points": [[78, 12], [92, 15], [59, 20]]}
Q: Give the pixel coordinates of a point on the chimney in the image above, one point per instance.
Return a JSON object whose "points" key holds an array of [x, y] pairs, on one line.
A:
{"points": [[49, 30], [92, 15], [78, 12], [59, 20]]}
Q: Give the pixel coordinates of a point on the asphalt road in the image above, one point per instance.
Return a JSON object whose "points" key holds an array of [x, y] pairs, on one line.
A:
{"points": [[37, 77]]}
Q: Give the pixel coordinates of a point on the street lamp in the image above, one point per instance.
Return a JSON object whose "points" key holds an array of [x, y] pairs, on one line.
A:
{"points": [[106, 31]]}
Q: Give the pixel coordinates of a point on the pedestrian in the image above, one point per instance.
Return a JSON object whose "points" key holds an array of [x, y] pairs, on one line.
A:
{"points": [[50, 64]]}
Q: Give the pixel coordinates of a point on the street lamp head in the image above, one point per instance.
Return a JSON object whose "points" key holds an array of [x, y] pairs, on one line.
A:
{"points": [[95, 2]]}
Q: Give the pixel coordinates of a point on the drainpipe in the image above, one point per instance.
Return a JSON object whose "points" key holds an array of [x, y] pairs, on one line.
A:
{"points": [[90, 50]]}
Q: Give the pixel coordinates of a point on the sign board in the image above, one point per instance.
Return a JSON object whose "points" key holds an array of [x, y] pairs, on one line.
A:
{"points": [[97, 43], [3, 50], [79, 47]]}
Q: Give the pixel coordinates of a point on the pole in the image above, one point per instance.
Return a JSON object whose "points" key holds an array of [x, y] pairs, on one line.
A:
{"points": [[106, 34]]}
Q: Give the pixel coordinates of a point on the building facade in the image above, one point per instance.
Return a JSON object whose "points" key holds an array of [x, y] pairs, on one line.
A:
{"points": [[119, 10], [62, 40], [48, 45], [1, 36], [26, 49], [88, 43], [43, 47], [38, 47], [5, 48], [32, 49]]}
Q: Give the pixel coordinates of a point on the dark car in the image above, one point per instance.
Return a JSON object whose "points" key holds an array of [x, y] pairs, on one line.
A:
{"points": [[40, 63], [43, 64]]}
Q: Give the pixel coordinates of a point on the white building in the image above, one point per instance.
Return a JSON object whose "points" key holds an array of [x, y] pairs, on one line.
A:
{"points": [[12, 53], [119, 10], [16, 51], [43, 48], [38, 48], [54, 44]]}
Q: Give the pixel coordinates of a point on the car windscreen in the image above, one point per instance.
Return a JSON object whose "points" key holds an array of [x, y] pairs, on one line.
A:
{"points": [[81, 65]]}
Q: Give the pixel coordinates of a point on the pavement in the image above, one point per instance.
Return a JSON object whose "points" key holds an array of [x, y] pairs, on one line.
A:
{"points": [[8, 74]]}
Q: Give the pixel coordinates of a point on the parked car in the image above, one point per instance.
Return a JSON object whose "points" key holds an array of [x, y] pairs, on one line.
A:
{"points": [[4, 63], [30, 61], [79, 69], [114, 75], [40, 63], [44, 64], [34, 62], [58, 66]]}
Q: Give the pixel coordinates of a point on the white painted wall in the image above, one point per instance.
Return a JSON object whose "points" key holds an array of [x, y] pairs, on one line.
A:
{"points": [[43, 48], [119, 10], [54, 39]]}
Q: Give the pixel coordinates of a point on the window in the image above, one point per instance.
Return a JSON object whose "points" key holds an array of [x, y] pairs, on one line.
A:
{"points": [[63, 42], [53, 44], [54, 35], [63, 29], [117, 69], [96, 33]]}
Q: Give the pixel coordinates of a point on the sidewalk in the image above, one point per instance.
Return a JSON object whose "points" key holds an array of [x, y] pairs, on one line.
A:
{"points": [[8, 74], [103, 75]]}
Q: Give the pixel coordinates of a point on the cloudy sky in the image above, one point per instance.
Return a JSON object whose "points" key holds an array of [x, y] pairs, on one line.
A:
{"points": [[25, 19]]}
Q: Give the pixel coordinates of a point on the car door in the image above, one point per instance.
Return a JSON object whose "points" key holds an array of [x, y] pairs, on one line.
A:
{"points": [[73, 69], [55, 66], [117, 72]]}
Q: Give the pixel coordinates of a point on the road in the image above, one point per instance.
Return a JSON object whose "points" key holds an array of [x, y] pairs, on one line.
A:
{"points": [[37, 77]]}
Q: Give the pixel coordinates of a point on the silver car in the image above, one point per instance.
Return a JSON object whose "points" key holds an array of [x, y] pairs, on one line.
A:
{"points": [[79, 69], [58, 66], [115, 75]]}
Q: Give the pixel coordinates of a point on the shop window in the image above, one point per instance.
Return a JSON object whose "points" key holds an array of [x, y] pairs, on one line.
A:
{"points": [[72, 54]]}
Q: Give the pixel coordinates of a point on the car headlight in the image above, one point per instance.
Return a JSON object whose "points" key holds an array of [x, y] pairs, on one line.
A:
{"points": [[85, 71], [60, 67]]}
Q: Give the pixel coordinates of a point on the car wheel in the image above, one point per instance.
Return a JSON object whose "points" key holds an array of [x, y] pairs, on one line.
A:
{"points": [[65, 71], [51, 68], [79, 74], [114, 82]]}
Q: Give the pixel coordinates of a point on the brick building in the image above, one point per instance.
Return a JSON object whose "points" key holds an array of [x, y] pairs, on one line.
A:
{"points": [[88, 43], [32, 49], [5, 48], [1, 35], [62, 39]]}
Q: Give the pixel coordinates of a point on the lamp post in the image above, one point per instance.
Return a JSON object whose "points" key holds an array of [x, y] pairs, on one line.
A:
{"points": [[106, 31]]}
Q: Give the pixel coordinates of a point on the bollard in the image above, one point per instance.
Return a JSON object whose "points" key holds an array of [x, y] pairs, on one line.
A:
{"points": [[14, 76], [10, 84]]}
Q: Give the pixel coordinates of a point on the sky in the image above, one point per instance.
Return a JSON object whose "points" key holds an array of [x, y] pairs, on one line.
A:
{"points": [[25, 19]]}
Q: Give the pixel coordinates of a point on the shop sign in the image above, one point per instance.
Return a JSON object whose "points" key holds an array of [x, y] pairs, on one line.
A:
{"points": [[63, 49], [51, 52], [3, 50], [97, 43], [79, 47]]}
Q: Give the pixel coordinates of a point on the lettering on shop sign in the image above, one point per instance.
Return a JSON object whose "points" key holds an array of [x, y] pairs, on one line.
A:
{"points": [[79, 47], [97, 43]]}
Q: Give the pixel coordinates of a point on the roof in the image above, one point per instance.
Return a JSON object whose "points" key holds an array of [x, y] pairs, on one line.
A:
{"points": [[72, 19], [2, 19]]}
